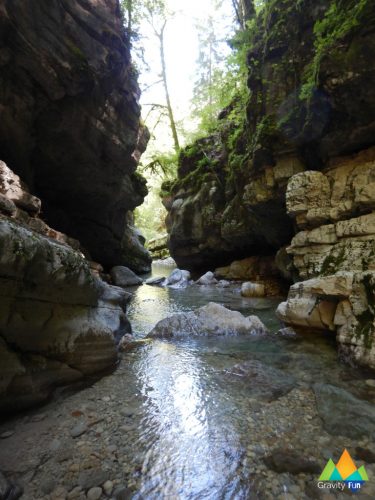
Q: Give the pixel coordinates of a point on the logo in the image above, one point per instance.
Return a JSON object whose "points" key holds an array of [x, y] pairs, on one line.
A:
{"points": [[343, 474]]}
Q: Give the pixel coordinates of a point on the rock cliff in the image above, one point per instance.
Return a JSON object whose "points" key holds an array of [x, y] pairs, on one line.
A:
{"points": [[58, 320], [335, 249], [304, 152], [70, 120]]}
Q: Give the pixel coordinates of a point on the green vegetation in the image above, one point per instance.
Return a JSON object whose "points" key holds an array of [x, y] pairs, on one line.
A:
{"points": [[340, 20]]}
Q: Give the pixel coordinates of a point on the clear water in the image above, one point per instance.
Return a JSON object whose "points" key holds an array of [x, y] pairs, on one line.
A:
{"points": [[196, 423]]}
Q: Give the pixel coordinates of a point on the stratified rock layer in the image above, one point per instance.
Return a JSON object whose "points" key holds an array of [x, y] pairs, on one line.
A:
{"points": [[336, 250], [70, 120], [58, 321]]}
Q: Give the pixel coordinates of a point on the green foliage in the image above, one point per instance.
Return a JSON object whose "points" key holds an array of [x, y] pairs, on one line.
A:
{"points": [[341, 19], [160, 164], [222, 80], [150, 217]]}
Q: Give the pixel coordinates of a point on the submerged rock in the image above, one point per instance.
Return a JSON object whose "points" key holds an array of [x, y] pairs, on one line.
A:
{"points": [[287, 460], [262, 381], [207, 279], [212, 319], [344, 414], [123, 276]]}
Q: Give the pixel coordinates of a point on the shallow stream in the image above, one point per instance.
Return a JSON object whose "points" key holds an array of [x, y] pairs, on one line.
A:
{"points": [[176, 421]]}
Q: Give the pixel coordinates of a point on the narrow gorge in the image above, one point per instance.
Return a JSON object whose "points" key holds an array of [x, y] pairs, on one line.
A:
{"points": [[231, 352]]}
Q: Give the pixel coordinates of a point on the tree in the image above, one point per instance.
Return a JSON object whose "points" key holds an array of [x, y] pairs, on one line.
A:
{"points": [[244, 10], [205, 95], [157, 16]]}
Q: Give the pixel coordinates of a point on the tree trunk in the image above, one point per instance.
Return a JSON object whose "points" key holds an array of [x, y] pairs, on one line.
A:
{"points": [[130, 15], [167, 96], [244, 10]]}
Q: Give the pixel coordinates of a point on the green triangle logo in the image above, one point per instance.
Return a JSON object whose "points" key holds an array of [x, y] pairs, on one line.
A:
{"points": [[327, 471], [362, 472]]}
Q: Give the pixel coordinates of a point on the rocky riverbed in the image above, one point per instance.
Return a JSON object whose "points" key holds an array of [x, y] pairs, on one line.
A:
{"points": [[229, 417]]}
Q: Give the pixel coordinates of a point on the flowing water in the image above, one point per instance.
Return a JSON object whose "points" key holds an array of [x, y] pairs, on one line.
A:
{"points": [[201, 427], [176, 420]]}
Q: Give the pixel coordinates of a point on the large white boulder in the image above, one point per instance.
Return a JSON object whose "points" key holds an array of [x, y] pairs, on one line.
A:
{"points": [[211, 319]]}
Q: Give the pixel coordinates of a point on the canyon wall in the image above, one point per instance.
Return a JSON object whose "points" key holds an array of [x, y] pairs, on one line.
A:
{"points": [[70, 128], [295, 157], [70, 120], [58, 320]]}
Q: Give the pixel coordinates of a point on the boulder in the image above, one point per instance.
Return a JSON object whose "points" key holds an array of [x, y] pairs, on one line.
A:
{"points": [[207, 279], [212, 319], [223, 284], [291, 461], [342, 303], [158, 281], [158, 247], [262, 381], [343, 414], [58, 321], [123, 276], [177, 279], [252, 290]]}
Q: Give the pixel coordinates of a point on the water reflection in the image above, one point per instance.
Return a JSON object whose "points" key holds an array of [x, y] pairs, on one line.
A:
{"points": [[189, 451], [192, 433]]}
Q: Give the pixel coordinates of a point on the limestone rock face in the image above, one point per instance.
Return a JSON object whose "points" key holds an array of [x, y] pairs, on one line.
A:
{"points": [[342, 303], [70, 121], [249, 289], [334, 251], [210, 223], [262, 271], [212, 319], [337, 229], [58, 320], [228, 201], [158, 247]]}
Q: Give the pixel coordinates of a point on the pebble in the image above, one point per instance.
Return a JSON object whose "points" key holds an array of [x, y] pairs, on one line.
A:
{"points": [[94, 493], [48, 485], [108, 487], [79, 429], [75, 493], [39, 417], [6, 434], [59, 492], [92, 477], [370, 382]]}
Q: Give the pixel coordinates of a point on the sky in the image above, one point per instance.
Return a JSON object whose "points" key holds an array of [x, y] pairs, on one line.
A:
{"points": [[181, 49]]}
